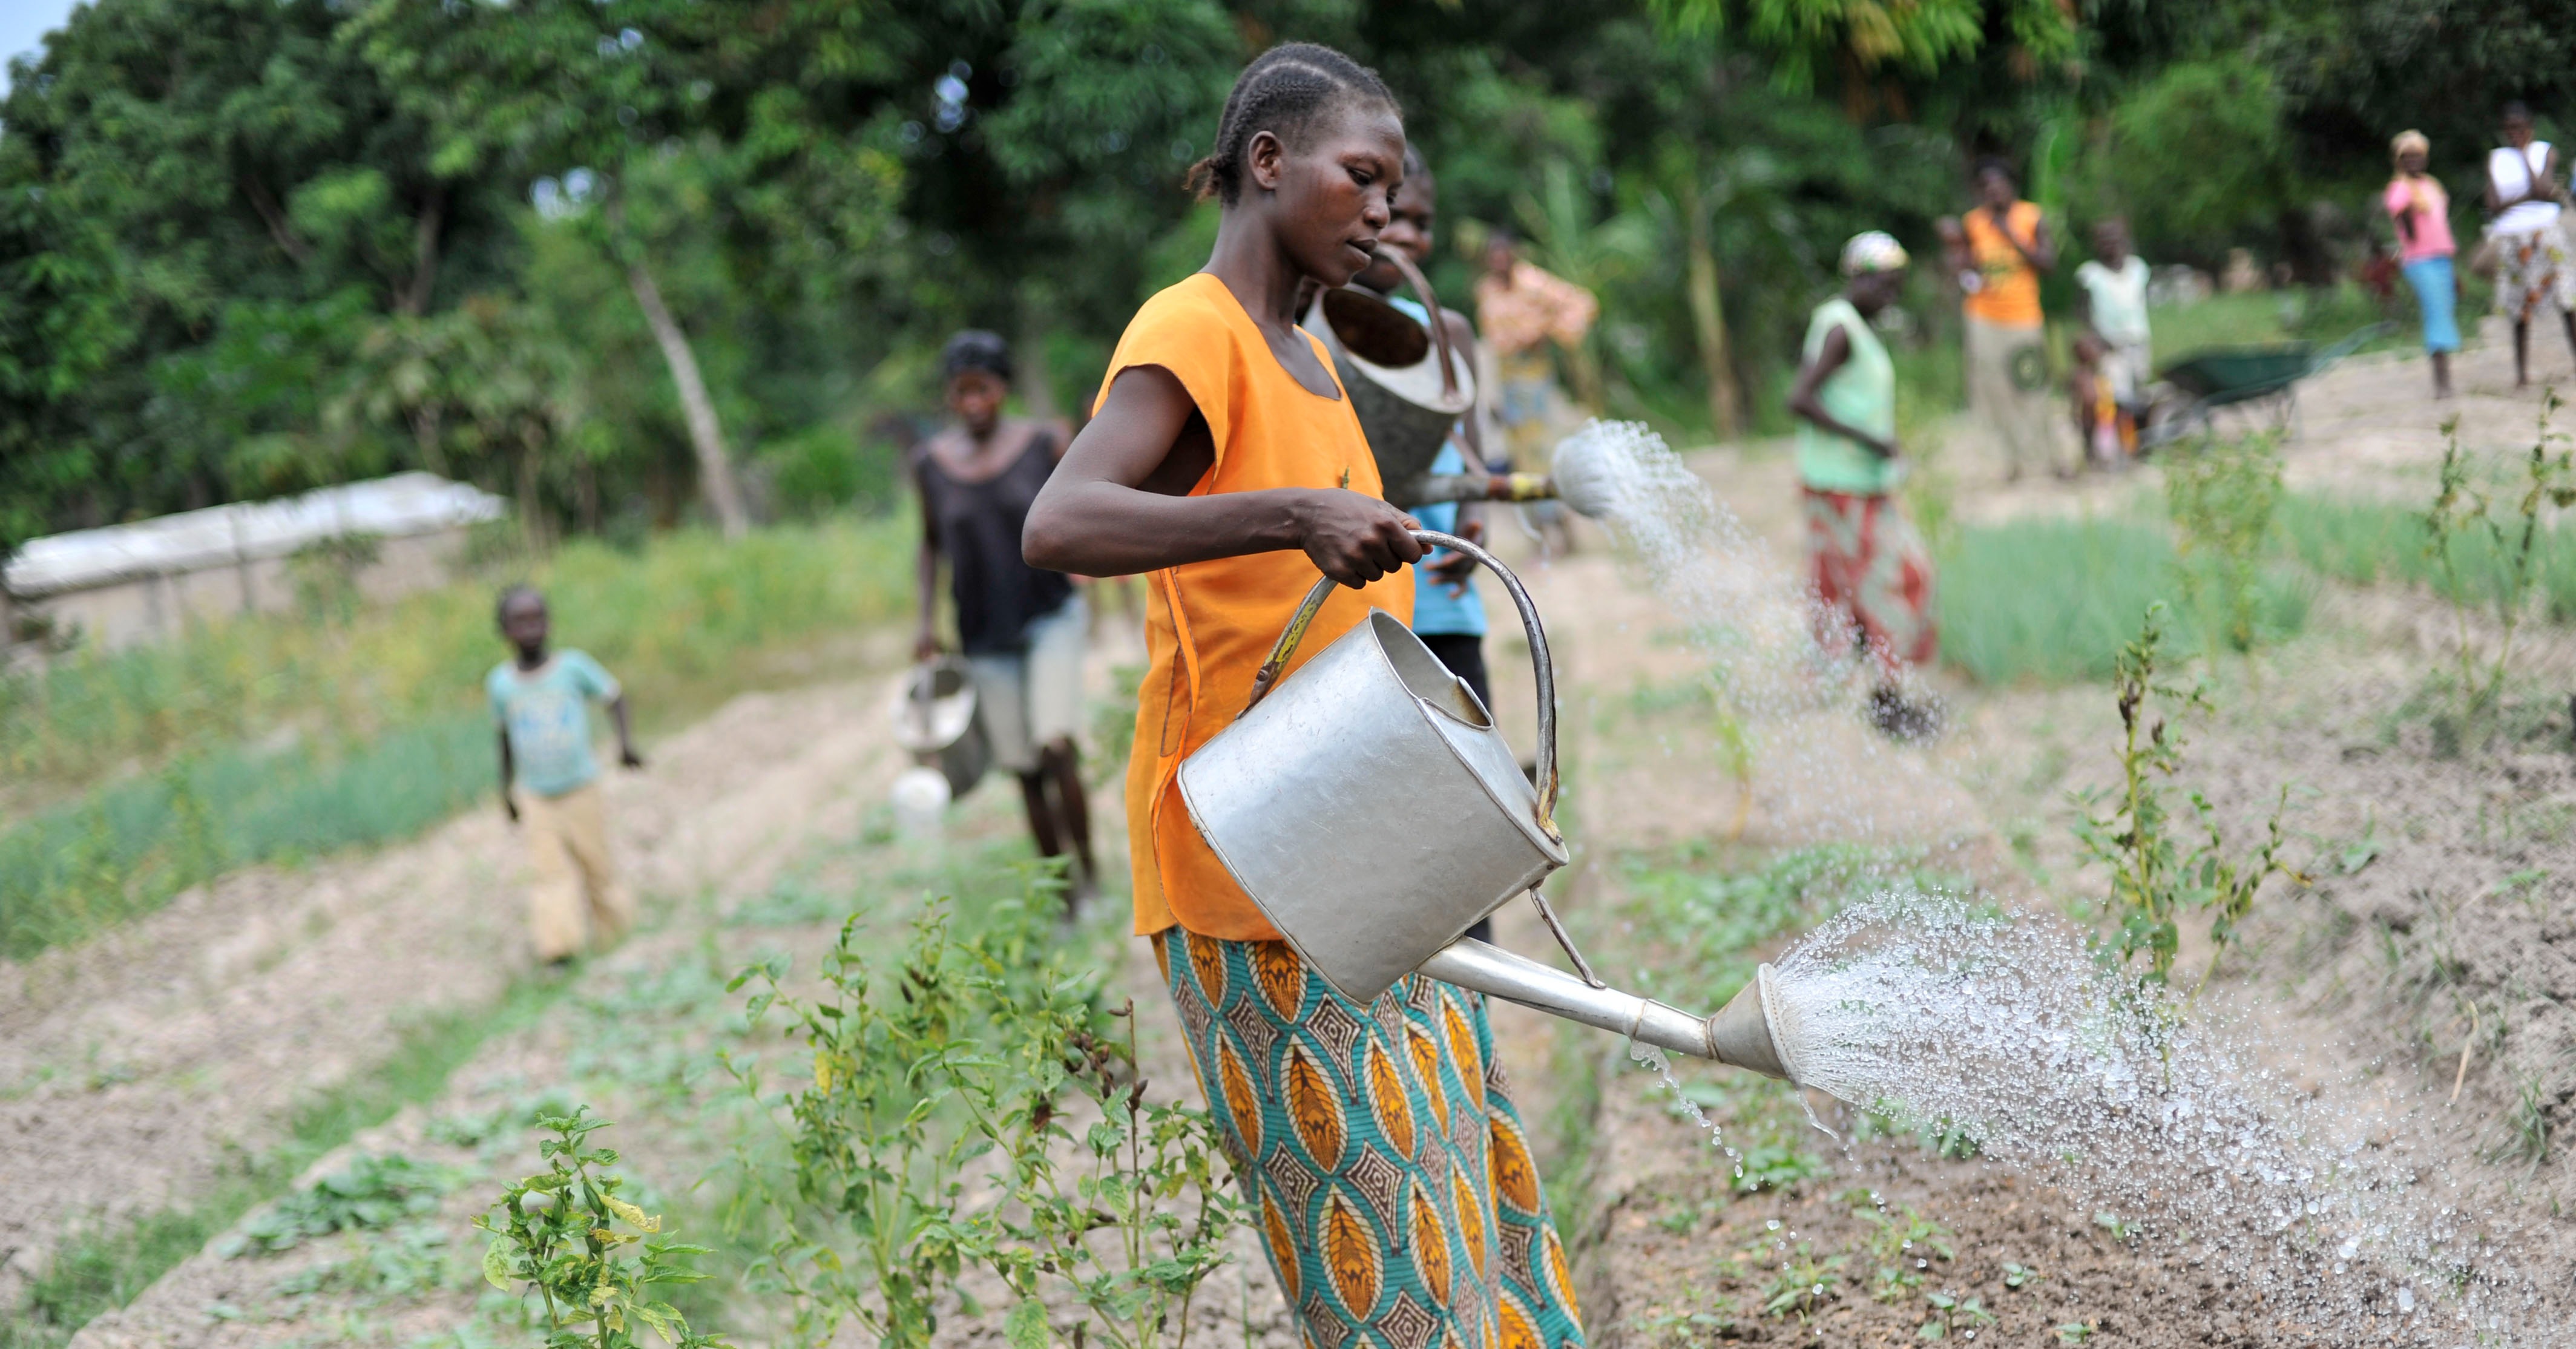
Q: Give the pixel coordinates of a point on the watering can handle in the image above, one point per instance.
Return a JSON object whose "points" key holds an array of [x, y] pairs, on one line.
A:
{"points": [[1439, 322], [1295, 632]]}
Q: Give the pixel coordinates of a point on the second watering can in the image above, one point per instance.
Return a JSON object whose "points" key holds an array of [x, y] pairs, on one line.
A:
{"points": [[1372, 810]]}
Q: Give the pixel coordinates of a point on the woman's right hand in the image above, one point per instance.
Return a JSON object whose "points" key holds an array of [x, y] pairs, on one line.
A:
{"points": [[1354, 539], [925, 648]]}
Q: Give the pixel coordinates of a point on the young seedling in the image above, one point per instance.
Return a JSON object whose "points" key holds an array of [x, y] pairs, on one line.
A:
{"points": [[1902, 1250], [2074, 1332], [2119, 1228], [1952, 1315], [1803, 1285], [2020, 1276]]}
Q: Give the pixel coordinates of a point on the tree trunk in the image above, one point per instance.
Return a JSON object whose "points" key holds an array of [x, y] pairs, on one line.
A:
{"points": [[425, 421], [1037, 382], [706, 437], [1708, 317]]}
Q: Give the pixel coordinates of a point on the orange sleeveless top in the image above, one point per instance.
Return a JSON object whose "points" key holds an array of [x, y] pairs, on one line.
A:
{"points": [[2010, 295], [1209, 625]]}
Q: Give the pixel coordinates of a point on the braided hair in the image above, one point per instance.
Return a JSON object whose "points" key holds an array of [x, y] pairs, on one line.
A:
{"points": [[1286, 91]]}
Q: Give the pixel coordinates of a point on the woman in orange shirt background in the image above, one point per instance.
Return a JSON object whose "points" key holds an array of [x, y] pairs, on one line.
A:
{"points": [[1390, 1173], [1998, 251]]}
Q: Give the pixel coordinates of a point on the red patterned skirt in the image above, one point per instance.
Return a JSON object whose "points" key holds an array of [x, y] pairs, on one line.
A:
{"points": [[1873, 580]]}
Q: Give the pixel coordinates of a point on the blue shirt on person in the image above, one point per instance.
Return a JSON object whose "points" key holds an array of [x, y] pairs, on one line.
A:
{"points": [[546, 714], [1436, 609]]}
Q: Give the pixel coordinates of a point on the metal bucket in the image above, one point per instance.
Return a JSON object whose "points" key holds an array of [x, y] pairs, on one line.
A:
{"points": [[1373, 813], [934, 719], [1406, 383]]}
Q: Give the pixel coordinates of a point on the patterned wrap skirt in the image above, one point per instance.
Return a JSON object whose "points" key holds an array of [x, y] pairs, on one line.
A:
{"points": [[2533, 275], [1873, 580], [1380, 1150]]}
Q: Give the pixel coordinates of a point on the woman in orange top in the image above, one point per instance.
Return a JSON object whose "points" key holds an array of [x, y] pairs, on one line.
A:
{"points": [[1998, 252], [1392, 1177]]}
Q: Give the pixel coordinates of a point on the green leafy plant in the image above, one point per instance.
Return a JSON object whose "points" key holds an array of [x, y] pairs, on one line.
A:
{"points": [[1773, 1166], [1688, 1320], [1804, 1283], [2221, 494], [958, 1057], [1952, 1314], [2461, 511], [1148, 1173], [593, 1258], [870, 1223], [1901, 1249], [2121, 1229], [2074, 1332], [369, 1192], [2127, 827], [2019, 1276]]}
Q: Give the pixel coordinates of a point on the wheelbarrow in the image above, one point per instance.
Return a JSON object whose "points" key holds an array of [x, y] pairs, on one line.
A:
{"points": [[2261, 381]]}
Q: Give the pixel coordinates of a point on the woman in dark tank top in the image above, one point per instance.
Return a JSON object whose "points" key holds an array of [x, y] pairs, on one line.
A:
{"points": [[1020, 628]]}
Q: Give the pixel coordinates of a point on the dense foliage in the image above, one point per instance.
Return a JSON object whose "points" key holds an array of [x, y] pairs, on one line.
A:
{"points": [[592, 253]]}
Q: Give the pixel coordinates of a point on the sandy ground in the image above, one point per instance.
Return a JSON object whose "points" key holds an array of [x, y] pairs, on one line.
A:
{"points": [[139, 1067]]}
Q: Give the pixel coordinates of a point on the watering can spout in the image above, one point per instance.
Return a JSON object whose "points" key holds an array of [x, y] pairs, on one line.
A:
{"points": [[1739, 1036]]}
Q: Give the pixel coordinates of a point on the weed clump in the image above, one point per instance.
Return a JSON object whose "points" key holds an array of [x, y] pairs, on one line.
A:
{"points": [[2156, 878], [936, 1133], [594, 1258]]}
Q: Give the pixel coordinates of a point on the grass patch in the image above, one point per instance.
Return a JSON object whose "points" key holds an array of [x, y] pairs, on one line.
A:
{"points": [[2317, 314], [126, 848], [100, 1267], [679, 612], [2382, 543], [2047, 600], [383, 714]]}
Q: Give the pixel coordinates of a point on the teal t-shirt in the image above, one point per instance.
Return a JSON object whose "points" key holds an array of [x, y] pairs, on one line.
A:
{"points": [[1435, 610], [1863, 394], [546, 713]]}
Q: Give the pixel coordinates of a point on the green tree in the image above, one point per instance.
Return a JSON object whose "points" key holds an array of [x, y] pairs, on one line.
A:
{"points": [[238, 173]]}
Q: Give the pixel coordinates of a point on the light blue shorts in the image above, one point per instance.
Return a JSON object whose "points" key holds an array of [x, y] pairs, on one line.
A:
{"points": [[2436, 295]]}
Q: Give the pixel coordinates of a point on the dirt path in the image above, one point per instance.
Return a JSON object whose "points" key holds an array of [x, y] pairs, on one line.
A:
{"points": [[143, 1065]]}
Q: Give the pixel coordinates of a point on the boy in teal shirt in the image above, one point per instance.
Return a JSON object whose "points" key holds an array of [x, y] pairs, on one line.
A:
{"points": [[1872, 575], [550, 779]]}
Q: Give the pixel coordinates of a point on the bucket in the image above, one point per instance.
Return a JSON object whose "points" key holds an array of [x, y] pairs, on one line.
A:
{"points": [[934, 719]]}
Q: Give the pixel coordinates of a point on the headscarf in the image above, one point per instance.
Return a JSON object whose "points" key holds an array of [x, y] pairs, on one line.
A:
{"points": [[2408, 140], [1874, 251]]}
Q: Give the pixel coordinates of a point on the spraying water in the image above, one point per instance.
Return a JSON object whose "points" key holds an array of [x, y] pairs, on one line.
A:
{"points": [[1756, 623], [1928, 1011]]}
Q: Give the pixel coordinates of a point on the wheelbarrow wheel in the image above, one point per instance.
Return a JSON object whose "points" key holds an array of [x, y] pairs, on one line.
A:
{"points": [[2172, 418]]}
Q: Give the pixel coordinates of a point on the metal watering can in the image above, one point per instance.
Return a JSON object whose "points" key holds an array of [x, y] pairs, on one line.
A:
{"points": [[1373, 812], [1407, 384]]}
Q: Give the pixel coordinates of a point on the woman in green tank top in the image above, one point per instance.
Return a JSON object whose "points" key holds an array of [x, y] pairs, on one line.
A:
{"points": [[1871, 572]]}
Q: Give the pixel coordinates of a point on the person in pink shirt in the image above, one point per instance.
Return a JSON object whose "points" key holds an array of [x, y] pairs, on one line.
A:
{"points": [[2422, 210]]}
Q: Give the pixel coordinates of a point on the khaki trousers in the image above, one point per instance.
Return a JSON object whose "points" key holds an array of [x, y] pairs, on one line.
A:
{"points": [[2008, 389], [574, 880]]}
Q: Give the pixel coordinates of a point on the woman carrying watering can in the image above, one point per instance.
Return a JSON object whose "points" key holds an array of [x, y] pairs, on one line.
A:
{"points": [[1392, 1175]]}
